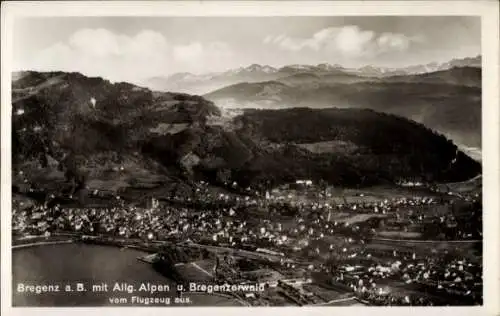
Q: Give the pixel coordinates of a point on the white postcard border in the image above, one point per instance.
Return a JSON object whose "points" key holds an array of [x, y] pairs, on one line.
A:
{"points": [[487, 10]]}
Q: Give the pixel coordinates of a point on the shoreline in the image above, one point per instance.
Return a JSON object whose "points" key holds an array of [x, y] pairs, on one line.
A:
{"points": [[41, 243], [117, 244]]}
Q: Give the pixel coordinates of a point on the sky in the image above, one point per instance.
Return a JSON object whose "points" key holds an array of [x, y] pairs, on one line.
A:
{"points": [[135, 48]]}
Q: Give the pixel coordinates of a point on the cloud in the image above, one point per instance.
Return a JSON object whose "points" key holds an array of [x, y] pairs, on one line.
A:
{"points": [[97, 42], [99, 52], [198, 52], [186, 53], [196, 55], [391, 41], [268, 39], [118, 57], [347, 41]]}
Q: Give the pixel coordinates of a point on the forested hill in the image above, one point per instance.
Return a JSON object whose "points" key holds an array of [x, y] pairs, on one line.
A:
{"points": [[69, 127], [353, 145]]}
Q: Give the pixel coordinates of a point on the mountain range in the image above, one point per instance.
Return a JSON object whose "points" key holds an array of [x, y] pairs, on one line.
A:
{"points": [[72, 130], [443, 96], [205, 83]]}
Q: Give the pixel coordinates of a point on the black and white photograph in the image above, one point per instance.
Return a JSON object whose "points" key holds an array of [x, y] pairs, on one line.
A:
{"points": [[246, 161]]}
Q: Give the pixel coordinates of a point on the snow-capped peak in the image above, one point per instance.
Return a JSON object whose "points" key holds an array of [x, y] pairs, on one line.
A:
{"points": [[257, 68], [236, 70], [268, 69], [252, 68], [328, 67], [301, 67], [189, 77]]}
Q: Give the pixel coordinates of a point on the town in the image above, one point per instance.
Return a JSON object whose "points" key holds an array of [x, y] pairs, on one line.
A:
{"points": [[308, 245]]}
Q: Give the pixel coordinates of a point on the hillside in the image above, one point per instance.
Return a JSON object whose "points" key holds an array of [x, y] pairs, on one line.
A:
{"points": [[68, 127], [71, 132], [462, 76], [447, 101]]}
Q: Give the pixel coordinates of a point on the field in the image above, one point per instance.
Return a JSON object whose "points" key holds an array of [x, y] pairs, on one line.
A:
{"points": [[326, 294], [336, 195], [333, 146], [197, 270], [399, 234], [358, 218]]}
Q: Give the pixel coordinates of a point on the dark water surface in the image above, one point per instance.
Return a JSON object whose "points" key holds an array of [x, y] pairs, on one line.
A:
{"points": [[69, 264]]}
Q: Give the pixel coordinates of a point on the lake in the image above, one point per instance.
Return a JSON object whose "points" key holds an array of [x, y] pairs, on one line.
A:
{"points": [[41, 274]]}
